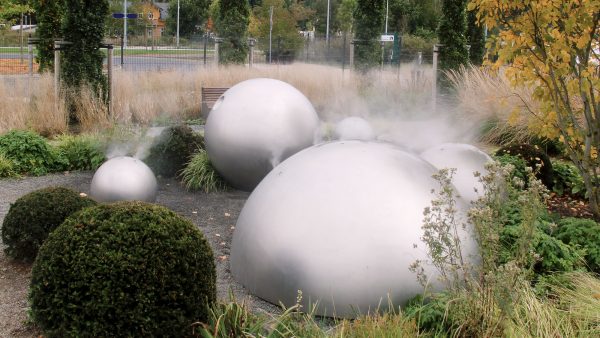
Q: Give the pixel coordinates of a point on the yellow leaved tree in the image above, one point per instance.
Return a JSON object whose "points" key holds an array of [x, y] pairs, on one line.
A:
{"points": [[553, 47]]}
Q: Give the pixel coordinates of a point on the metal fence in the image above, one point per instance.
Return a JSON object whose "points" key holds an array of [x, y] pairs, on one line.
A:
{"points": [[153, 54]]}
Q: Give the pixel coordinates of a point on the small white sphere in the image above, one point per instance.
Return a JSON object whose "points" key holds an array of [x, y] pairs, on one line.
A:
{"points": [[339, 222], [124, 178], [254, 126], [354, 128], [467, 160]]}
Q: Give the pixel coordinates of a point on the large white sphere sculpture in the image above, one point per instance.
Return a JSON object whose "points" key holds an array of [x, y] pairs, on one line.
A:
{"points": [[338, 221], [124, 178], [354, 128], [467, 160], [254, 126]]}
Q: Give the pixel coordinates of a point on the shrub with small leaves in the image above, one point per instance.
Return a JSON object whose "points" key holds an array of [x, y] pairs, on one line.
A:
{"points": [[583, 233], [29, 152], [126, 269], [32, 217], [173, 150], [567, 180], [534, 157], [81, 152], [199, 174]]}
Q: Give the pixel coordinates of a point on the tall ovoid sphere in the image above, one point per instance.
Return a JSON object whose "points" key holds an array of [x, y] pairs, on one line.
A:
{"points": [[254, 126], [124, 178], [467, 160], [339, 222]]}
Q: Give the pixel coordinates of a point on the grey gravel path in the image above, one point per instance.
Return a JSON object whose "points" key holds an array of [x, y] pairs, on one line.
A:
{"points": [[215, 215]]}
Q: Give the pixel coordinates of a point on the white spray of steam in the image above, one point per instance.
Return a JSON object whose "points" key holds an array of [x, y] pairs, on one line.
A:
{"points": [[138, 146]]}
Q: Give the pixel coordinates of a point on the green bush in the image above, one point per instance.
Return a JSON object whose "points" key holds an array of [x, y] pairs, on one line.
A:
{"points": [[32, 217], [173, 150], [29, 152], [584, 233], [7, 167], [80, 152], [199, 174], [535, 158], [127, 269], [520, 167], [567, 180]]}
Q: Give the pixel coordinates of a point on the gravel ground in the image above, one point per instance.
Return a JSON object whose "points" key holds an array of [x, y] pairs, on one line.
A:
{"points": [[215, 215]]}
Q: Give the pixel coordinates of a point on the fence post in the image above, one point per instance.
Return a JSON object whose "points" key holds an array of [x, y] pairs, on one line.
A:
{"points": [[30, 43], [110, 79], [352, 54], [436, 49], [217, 45], [251, 42]]}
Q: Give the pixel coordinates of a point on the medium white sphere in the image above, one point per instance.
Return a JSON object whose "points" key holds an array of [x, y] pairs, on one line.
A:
{"points": [[254, 126], [467, 160], [354, 128], [124, 178], [339, 222]]}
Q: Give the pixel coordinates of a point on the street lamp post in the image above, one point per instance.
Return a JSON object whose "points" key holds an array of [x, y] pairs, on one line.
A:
{"points": [[125, 24]]}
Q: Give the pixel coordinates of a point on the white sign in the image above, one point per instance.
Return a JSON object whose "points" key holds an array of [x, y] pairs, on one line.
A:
{"points": [[387, 38]]}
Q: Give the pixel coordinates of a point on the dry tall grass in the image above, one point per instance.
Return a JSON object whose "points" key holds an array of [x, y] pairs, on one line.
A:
{"points": [[145, 97], [487, 96]]}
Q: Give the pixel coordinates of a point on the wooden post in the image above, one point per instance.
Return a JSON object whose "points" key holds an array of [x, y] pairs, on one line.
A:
{"points": [[436, 49], [56, 70], [110, 80]]}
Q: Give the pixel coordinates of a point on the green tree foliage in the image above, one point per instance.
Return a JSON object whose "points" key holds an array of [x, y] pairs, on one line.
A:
{"points": [[49, 14], [11, 10], [84, 26], [451, 34], [475, 38], [192, 13], [368, 17], [344, 15], [319, 20], [285, 31], [417, 17], [231, 23]]}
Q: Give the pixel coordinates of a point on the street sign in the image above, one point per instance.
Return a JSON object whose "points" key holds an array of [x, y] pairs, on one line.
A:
{"points": [[122, 16], [387, 38]]}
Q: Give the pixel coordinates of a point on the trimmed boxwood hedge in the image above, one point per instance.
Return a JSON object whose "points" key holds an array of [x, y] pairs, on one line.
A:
{"points": [[33, 216], [128, 269]]}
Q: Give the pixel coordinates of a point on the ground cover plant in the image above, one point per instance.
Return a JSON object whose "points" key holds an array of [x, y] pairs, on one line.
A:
{"points": [[123, 269], [32, 217], [199, 174], [29, 152], [80, 152]]}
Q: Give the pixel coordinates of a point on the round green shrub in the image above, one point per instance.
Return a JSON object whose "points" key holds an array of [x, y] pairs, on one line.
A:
{"points": [[173, 150], [33, 216], [127, 269], [584, 233], [534, 156], [29, 152]]}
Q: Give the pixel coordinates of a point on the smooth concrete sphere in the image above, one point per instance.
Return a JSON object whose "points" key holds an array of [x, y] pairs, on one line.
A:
{"points": [[124, 178], [354, 128], [254, 126], [467, 160], [338, 221]]}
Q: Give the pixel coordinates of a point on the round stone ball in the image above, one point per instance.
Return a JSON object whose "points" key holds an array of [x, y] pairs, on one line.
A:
{"points": [[339, 221], [124, 178], [254, 126], [467, 160], [354, 128]]}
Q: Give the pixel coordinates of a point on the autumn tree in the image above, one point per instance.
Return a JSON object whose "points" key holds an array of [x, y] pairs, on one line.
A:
{"points": [[552, 46], [285, 31]]}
